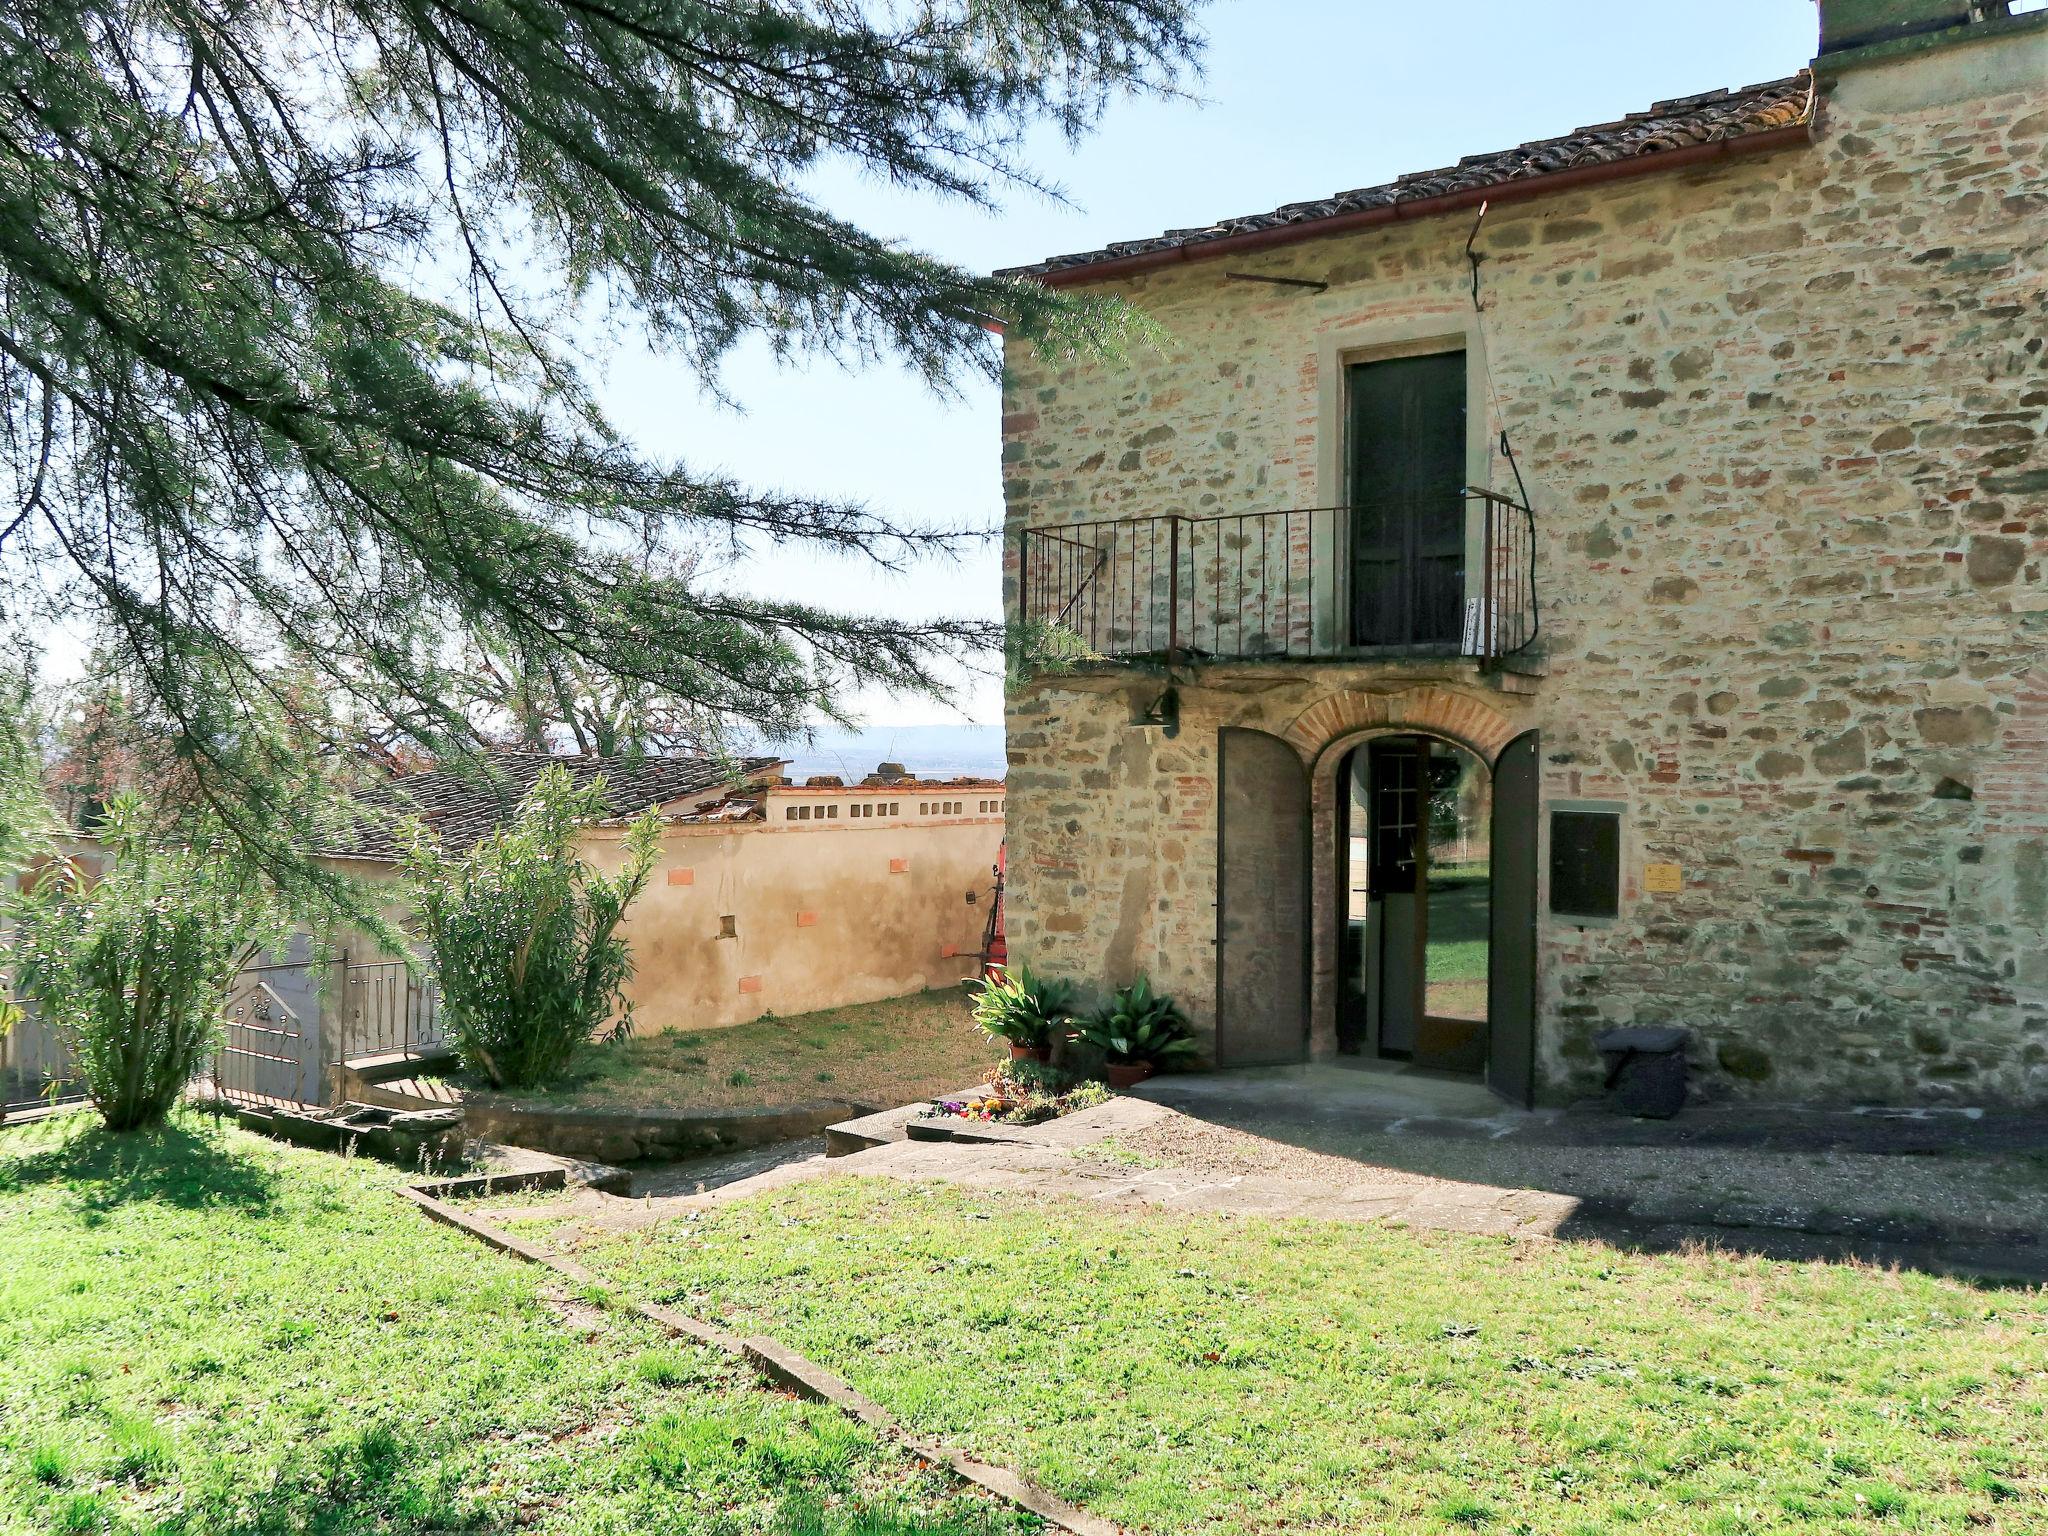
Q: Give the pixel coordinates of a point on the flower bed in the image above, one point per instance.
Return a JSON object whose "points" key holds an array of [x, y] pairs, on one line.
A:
{"points": [[1025, 1094]]}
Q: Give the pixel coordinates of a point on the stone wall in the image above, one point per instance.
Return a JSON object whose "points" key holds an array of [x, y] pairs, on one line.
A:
{"points": [[820, 917], [742, 919], [1781, 421]]}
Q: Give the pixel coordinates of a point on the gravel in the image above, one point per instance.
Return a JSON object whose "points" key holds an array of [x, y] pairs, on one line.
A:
{"points": [[1952, 1191]]}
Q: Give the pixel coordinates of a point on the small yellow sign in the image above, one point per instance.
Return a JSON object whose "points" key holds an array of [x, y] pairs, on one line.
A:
{"points": [[1663, 879]]}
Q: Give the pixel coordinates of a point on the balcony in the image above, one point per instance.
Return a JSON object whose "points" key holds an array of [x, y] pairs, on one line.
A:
{"points": [[1302, 584]]}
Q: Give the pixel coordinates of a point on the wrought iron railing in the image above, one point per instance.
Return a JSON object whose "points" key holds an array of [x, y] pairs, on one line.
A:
{"points": [[1279, 585], [390, 1011]]}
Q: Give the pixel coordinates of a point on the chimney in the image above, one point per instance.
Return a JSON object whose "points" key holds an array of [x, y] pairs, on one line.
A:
{"points": [[1846, 24], [1853, 30]]}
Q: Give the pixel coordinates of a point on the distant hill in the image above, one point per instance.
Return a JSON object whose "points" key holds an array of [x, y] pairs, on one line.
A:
{"points": [[929, 751]]}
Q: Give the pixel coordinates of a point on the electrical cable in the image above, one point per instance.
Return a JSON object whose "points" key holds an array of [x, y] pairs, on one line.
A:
{"points": [[1507, 448]]}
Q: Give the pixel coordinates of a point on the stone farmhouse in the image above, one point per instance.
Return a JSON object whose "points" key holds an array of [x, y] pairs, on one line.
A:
{"points": [[1597, 583]]}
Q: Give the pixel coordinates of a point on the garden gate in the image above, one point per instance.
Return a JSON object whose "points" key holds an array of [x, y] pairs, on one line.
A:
{"points": [[389, 1011], [270, 1047]]}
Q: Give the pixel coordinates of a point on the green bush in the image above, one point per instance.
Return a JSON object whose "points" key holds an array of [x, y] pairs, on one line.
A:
{"points": [[1035, 1106], [524, 934], [131, 967], [1139, 1025], [1023, 1009]]}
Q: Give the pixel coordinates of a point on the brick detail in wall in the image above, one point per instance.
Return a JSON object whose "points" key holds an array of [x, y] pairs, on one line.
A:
{"points": [[2012, 788], [1437, 711], [899, 866], [807, 919], [750, 984], [682, 877]]}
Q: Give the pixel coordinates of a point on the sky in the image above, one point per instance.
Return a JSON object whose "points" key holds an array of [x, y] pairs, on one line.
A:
{"points": [[1300, 99]]}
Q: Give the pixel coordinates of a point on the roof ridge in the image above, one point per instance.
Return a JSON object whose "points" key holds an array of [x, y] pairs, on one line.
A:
{"points": [[1679, 123]]}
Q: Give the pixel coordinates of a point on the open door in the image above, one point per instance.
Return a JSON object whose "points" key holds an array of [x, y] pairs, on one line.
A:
{"points": [[1511, 973], [1397, 888], [1262, 902]]}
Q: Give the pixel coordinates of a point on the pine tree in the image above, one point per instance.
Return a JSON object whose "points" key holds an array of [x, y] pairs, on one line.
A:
{"points": [[289, 293]]}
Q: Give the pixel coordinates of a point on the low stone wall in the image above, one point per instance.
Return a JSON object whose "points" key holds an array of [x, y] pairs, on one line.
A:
{"points": [[626, 1136], [421, 1137]]}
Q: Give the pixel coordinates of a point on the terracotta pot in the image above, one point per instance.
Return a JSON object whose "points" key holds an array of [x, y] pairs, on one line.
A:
{"points": [[1042, 1054], [1126, 1074]]}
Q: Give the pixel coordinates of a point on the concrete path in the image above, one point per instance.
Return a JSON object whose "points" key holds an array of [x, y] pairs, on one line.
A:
{"points": [[1406, 1102], [1921, 1177], [1133, 1152]]}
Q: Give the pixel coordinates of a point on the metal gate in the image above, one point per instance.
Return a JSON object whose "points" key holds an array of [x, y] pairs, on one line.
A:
{"points": [[270, 1048], [284, 1024], [390, 1011]]}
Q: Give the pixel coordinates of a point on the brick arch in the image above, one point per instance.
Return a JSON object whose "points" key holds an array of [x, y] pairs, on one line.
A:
{"points": [[1458, 717], [1320, 735]]}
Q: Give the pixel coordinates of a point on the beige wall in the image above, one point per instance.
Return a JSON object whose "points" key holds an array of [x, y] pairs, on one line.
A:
{"points": [[823, 915], [1781, 420]]}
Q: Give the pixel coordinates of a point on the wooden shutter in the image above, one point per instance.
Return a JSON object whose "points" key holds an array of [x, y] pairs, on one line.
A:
{"points": [[1262, 902], [1511, 950], [1406, 440]]}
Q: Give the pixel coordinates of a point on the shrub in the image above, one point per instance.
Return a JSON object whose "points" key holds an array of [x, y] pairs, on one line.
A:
{"points": [[1022, 1008], [131, 966], [1139, 1025], [1035, 1106], [524, 934]]}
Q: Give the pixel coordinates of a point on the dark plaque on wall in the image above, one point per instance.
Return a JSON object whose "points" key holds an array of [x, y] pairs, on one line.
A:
{"points": [[1585, 863]]}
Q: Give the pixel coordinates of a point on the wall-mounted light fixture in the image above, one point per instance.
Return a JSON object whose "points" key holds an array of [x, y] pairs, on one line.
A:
{"points": [[1163, 712]]}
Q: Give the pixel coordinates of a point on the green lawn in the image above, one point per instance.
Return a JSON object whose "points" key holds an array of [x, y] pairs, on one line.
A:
{"points": [[884, 1054], [1199, 1374], [202, 1332]]}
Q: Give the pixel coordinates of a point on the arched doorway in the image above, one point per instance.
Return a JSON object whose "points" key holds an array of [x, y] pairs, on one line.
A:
{"points": [[1415, 880], [1291, 982]]}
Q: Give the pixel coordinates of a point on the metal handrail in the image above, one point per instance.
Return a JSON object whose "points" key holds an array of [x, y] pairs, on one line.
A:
{"points": [[1181, 585]]}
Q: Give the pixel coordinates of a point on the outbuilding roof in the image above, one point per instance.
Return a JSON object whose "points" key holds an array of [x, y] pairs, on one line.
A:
{"points": [[1681, 127], [465, 806]]}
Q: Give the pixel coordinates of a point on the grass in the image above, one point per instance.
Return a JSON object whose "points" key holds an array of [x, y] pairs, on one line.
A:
{"points": [[883, 1054], [1188, 1373], [1457, 951], [205, 1334]]}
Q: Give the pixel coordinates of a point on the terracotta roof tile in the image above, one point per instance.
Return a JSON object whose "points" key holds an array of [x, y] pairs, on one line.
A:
{"points": [[1680, 123]]}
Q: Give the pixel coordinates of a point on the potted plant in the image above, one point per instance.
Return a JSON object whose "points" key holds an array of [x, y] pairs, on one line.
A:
{"points": [[1137, 1031], [1025, 1010]]}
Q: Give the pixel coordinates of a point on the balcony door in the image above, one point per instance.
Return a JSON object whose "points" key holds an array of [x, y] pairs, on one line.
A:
{"points": [[1406, 478]]}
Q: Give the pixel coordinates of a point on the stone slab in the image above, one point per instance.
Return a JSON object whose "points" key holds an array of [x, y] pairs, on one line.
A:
{"points": [[408, 1136], [846, 1137]]}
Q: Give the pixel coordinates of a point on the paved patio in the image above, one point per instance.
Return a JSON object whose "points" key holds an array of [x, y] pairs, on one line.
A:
{"points": [[1331, 1144]]}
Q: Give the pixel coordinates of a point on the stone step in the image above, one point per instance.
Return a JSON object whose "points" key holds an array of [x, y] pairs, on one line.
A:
{"points": [[539, 1170], [384, 1066], [885, 1126]]}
